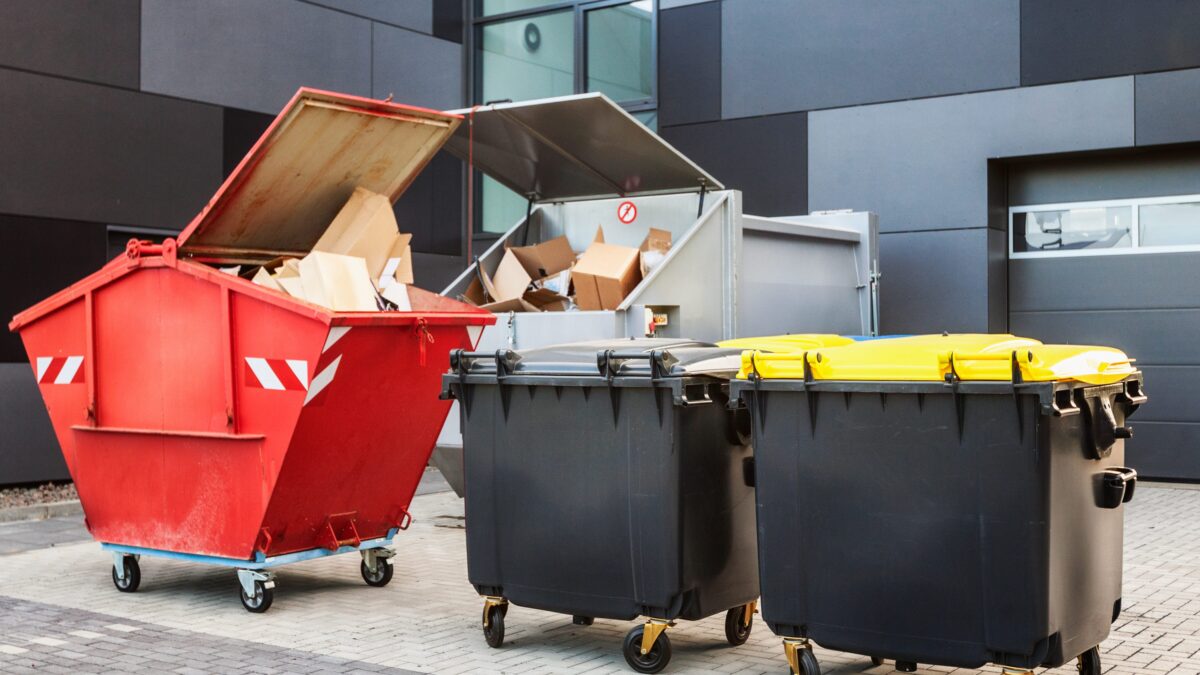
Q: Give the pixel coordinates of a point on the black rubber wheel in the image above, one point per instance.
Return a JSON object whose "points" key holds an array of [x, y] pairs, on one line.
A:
{"points": [[382, 575], [493, 632], [260, 601], [876, 661], [133, 575], [808, 663], [582, 620], [737, 632], [1089, 662], [653, 662]]}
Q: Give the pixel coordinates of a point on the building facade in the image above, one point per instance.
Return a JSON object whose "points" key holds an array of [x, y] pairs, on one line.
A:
{"points": [[1035, 166]]}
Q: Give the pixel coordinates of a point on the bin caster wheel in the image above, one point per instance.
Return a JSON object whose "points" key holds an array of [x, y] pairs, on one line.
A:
{"points": [[1089, 662], [582, 620], [808, 663], [132, 575], [651, 662], [493, 630], [260, 601], [382, 574], [876, 661], [738, 622], [906, 666]]}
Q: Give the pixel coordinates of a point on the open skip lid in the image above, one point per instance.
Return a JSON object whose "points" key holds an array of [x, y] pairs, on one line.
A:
{"points": [[290, 186], [931, 358], [573, 147]]}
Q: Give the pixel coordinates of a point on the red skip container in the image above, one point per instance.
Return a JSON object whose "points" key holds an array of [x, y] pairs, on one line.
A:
{"points": [[207, 418]]}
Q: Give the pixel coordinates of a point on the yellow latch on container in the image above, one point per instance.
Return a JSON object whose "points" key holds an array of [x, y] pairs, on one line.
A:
{"points": [[931, 358], [799, 342]]}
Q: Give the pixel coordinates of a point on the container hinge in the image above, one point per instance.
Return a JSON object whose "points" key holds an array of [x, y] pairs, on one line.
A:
{"points": [[530, 199], [703, 191], [960, 403]]}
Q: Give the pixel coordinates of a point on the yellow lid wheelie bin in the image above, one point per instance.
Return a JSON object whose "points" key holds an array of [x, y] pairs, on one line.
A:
{"points": [[943, 499]]}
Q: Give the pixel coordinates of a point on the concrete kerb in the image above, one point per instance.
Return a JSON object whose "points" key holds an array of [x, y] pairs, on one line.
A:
{"points": [[41, 511]]}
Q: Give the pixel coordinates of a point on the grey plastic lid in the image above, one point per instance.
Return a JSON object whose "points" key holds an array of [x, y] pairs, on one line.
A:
{"points": [[626, 358], [573, 147]]}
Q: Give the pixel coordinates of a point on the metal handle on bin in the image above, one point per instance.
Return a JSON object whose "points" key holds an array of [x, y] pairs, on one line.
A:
{"points": [[609, 361], [1117, 484]]}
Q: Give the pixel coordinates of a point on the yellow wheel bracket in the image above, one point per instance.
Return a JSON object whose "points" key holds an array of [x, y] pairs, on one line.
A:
{"points": [[654, 628], [751, 610], [489, 602], [792, 648]]}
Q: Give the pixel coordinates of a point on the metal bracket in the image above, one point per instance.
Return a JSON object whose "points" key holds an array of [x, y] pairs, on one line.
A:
{"points": [[654, 628], [792, 648], [751, 610], [247, 578], [373, 556], [490, 601], [1009, 670], [119, 563]]}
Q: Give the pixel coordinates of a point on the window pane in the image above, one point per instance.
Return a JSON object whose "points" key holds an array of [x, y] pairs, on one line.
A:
{"points": [[490, 7], [502, 208], [1072, 230], [528, 58], [649, 118], [619, 51], [1169, 224]]}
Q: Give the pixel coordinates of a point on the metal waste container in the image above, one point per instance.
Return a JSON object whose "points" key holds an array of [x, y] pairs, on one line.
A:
{"points": [[948, 499], [606, 479], [583, 162], [206, 418]]}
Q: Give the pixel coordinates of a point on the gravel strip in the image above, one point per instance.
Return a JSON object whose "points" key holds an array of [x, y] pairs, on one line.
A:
{"points": [[41, 494]]}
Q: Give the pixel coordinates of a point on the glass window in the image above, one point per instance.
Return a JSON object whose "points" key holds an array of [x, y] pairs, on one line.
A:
{"points": [[490, 7], [648, 118], [1169, 224], [620, 57], [1074, 229], [527, 58]]}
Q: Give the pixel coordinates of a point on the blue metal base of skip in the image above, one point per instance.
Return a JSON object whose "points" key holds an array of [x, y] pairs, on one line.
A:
{"points": [[259, 562]]}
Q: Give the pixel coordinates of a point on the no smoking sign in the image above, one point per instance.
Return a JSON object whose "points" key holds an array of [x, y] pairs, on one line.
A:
{"points": [[627, 212]]}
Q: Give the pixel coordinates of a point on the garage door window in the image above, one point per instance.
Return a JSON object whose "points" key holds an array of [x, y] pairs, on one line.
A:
{"points": [[1105, 228]]}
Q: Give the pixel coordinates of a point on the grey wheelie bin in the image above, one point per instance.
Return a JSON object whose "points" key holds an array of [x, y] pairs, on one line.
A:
{"points": [[952, 500], [607, 479]]}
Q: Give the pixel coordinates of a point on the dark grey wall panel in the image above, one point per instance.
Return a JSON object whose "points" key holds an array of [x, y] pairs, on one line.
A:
{"points": [[1135, 172], [39, 257], [1174, 392], [94, 41], [242, 130], [934, 281], [1166, 106], [29, 452], [764, 157], [1164, 450], [449, 17], [689, 64], [1142, 281], [1078, 39], [431, 208], [417, 69], [1165, 337], [252, 54], [997, 280], [414, 14], [923, 165], [786, 55], [87, 152], [435, 272]]}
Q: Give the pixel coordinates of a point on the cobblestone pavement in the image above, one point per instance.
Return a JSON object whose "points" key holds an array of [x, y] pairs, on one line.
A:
{"points": [[60, 613]]}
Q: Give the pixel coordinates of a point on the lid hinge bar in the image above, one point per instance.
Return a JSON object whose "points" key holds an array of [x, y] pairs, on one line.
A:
{"points": [[530, 198], [703, 191]]}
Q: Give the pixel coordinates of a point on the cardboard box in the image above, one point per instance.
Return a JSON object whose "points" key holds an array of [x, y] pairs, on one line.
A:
{"points": [[398, 267], [339, 282], [364, 228], [511, 279], [654, 250], [605, 275], [263, 278], [545, 259]]}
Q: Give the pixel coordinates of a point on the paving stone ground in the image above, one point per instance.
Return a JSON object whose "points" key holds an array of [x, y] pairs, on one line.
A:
{"points": [[59, 612]]}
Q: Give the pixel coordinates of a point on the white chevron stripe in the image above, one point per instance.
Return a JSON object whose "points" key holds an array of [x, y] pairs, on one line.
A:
{"points": [[335, 333], [300, 370], [322, 380], [266, 376], [68, 370], [473, 333], [43, 362]]}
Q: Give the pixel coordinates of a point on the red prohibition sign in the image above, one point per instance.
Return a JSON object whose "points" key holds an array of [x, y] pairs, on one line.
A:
{"points": [[627, 212]]}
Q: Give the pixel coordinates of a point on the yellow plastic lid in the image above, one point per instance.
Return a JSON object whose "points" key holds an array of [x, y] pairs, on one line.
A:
{"points": [[787, 343], [929, 358]]}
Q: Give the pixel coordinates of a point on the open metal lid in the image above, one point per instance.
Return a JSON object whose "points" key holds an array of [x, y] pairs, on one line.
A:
{"points": [[573, 147], [290, 186]]}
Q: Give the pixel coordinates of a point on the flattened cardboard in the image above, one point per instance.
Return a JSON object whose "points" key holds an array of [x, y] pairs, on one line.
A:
{"points": [[513, 305], [478, 293], [545, 300], [545, 259], [292, 286], [398, 266], [339, 282], [511, 279], [365, 228], [605, 275], [397, 294], [263, 278]]}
